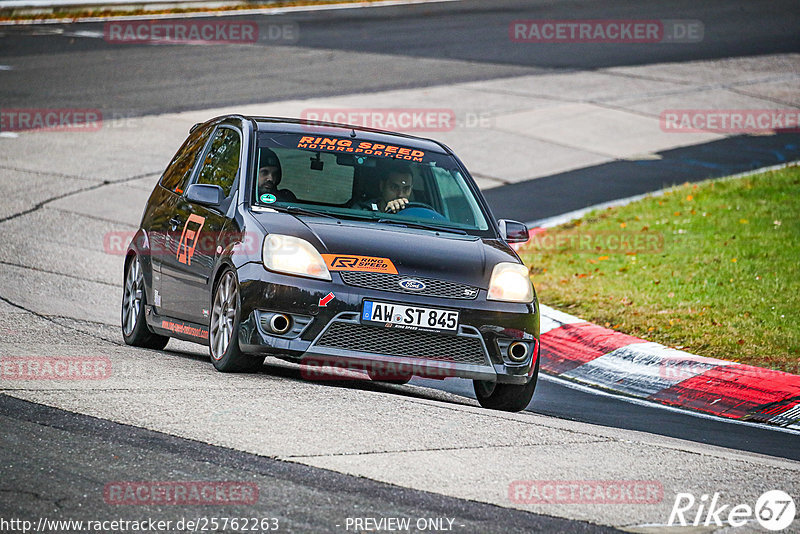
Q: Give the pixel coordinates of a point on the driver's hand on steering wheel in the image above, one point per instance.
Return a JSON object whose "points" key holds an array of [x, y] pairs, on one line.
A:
{"points": [[396, 205]]}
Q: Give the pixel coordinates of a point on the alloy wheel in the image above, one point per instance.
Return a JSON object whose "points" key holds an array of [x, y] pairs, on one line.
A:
{"points": [[132, 298], [223, 315]]}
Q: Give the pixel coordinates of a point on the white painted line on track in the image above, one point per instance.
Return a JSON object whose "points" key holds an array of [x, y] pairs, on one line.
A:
{"points": [[231, 13], [642, 402], [85, 33]]}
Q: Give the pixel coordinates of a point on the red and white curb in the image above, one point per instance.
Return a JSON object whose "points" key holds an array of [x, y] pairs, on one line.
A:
{"points": [[583, 352]]}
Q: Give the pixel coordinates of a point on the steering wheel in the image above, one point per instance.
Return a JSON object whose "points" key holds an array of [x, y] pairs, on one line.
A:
{"points": [[420, 205], [422, 210]]}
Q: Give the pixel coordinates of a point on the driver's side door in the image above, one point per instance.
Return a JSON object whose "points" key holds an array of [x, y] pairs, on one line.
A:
{"points": [[197, 231]]}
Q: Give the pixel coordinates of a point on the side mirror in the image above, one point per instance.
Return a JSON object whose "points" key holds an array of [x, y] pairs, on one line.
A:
{"points": [[513, 231], [205, 194]]}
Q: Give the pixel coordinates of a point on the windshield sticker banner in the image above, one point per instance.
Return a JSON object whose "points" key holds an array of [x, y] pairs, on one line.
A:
{"points": [[339, 262], [367, 148]]}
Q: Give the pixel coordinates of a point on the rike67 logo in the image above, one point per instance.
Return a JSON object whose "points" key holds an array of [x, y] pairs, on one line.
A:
{"points": [[774, 510]]}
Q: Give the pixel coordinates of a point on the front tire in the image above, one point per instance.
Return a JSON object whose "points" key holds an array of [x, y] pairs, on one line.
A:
{"points": [[223, 332], [506, 397], [134, 302]]}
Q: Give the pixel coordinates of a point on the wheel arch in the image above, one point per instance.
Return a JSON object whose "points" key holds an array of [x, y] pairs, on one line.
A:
{"points": [[224, 265], [140, 247]]}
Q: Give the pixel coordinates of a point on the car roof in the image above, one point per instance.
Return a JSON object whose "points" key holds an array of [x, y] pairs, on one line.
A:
{"points": [[300, 126]]}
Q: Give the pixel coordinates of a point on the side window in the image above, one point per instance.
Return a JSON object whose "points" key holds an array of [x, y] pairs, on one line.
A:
{"points": [[222, 160], [179, 170], [458, 203]]}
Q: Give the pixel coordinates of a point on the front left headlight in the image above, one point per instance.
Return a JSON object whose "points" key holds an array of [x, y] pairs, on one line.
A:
{"points": [[292, 255], [510, 283]]}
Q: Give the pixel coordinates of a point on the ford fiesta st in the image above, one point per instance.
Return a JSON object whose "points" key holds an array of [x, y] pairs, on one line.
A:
{"points": [[332, 243]]}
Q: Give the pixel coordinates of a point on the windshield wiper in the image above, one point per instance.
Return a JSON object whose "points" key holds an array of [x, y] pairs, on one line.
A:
{"points": [[423, 226], [297, 210]]}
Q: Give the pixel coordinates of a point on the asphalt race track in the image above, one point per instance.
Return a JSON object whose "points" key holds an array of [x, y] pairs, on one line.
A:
{"points": [[168, 416], [343, 52], [309, 499]]}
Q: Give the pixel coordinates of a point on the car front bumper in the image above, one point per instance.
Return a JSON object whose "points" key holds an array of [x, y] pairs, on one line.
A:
{"points": [[333, 334]]}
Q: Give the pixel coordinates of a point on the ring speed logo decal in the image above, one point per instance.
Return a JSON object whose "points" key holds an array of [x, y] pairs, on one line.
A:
{"points": [[341, 262]]}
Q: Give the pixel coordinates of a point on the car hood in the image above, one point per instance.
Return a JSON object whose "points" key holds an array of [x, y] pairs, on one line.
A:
{"points": [[414, 252]]}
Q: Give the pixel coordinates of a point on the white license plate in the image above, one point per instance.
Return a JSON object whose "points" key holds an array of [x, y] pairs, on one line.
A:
{"points": [[409, 317]]}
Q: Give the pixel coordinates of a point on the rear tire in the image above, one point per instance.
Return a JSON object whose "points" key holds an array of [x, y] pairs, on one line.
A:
{"points": [[223, 331], [135, 331], [506, 397]]}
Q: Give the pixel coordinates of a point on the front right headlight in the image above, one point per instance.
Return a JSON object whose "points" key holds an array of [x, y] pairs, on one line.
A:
{"points": [[510, 283], [292, 255]]}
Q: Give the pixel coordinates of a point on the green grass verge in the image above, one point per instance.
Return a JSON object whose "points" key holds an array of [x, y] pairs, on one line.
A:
{"points": [[711, 268]]}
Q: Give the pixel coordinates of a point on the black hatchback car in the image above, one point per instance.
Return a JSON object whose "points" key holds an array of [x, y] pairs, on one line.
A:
{"points": [[332, 245]]}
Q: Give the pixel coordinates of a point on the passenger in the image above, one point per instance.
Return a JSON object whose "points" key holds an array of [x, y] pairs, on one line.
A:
{"points": [[269, 176]]}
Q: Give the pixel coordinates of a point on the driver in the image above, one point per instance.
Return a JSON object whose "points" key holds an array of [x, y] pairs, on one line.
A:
{"points": [[269, 176], [395, 190]]}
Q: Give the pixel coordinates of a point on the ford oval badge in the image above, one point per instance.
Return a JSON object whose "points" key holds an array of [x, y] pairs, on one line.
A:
{"points": [[411, 284]]}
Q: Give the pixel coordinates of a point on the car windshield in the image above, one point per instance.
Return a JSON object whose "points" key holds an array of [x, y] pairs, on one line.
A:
{"points": [[351, 178]]}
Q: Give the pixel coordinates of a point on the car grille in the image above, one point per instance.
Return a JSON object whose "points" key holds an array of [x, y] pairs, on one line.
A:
{"points": [[389, 282], [403, 343]]}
